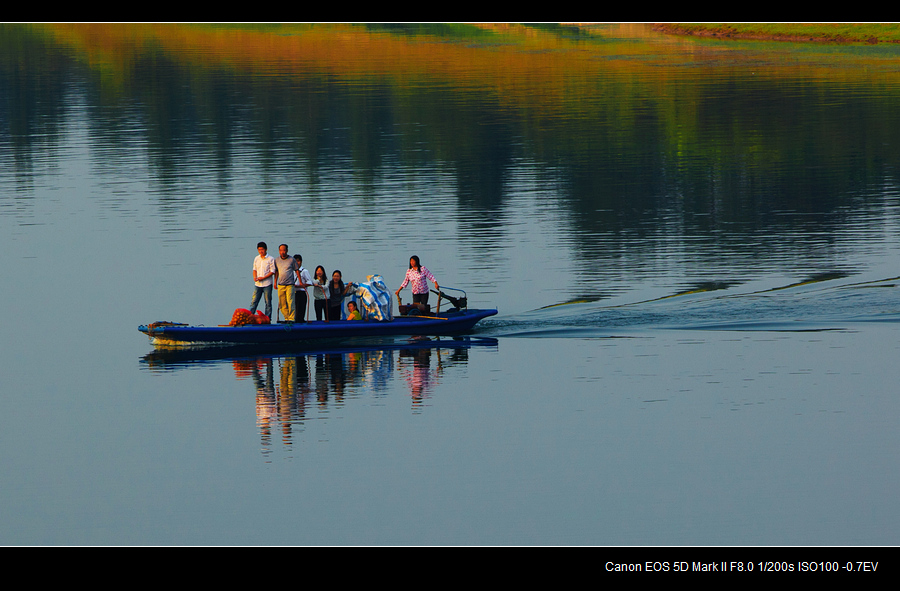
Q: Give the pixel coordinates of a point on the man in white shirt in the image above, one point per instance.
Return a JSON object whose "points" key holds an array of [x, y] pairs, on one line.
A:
{"points": [[263, 270], [303, 281]]}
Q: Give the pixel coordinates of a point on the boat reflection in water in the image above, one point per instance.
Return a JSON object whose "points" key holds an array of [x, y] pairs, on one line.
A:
{"points": [[293, 387]]}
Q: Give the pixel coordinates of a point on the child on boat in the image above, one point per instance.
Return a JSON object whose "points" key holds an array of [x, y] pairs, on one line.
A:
{"points": [[352, 312]]}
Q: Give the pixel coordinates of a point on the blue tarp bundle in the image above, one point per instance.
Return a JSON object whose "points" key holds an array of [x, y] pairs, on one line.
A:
{"points": [[373, 299]]}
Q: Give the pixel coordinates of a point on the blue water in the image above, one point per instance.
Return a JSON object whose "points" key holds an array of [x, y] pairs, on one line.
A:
{"points": [[696, 337]]}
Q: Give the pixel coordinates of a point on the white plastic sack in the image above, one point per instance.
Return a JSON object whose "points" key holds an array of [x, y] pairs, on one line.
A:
{"points": [[373, 299]]}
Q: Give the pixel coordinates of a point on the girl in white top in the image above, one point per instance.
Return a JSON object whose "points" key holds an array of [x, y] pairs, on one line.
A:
{"points": [[320, 292]]}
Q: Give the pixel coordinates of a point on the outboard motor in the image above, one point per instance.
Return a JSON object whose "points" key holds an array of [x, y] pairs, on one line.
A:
{"points": [[457, 303]]}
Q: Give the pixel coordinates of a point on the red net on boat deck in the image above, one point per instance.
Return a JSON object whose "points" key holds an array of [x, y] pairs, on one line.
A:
{"points": [[242, 316]]}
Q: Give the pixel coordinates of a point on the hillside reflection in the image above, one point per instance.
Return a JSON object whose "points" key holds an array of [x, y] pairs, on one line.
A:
{"points": [[712, 143], [627, 150]]}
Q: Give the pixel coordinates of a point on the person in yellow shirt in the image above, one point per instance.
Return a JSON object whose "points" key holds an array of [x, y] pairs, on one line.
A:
{"points": [[352, 312]]}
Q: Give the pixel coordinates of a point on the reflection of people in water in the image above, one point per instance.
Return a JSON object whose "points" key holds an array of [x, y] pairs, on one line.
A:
{"points": [[285, 404], [420, 378], [293, 393], [336, 376], [330, 377], [265, 395]]}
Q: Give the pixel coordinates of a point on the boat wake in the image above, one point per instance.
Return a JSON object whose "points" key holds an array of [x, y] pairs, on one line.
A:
{"points": [[823, 302]]}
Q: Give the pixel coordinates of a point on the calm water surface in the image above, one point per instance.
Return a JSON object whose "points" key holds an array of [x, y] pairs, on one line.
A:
{"points": [[693, 247]]}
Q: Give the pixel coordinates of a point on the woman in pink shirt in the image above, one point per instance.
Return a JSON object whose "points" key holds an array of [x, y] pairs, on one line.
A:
{"points": [[418, 276]]}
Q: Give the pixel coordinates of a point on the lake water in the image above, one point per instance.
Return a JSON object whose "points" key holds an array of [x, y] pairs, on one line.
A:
{"points": [[694, 247]]}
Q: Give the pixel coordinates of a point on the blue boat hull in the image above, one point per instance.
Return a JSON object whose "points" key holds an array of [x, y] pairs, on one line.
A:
{"points": [[313, 333]]}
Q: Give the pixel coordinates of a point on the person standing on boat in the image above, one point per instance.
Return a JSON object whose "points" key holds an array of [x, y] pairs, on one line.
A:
{"points": [[418, 276], [300, 295], [263, 270], [320, 293], [336, 292], [285, 275]]}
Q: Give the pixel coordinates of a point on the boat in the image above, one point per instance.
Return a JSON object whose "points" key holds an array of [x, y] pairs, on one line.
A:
{"points": [[169, 334], [412, 322]]}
